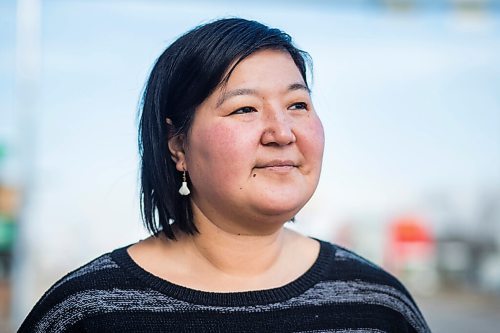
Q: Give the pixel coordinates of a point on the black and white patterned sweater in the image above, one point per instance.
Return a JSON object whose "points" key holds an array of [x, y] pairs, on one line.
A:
{"points": [[341, 292]]}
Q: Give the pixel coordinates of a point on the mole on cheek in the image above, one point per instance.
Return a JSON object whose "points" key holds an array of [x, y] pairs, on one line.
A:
{"points": [[254, 175]]}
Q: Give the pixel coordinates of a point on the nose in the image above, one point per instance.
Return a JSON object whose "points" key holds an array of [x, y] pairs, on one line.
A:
{"points": [[278, 129]]}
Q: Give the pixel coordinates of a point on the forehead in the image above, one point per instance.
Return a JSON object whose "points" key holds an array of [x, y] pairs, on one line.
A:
{"points": [[263, 66]]}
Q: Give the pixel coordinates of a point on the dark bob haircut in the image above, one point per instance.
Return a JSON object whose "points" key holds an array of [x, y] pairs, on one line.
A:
{"points": [[187, 72]]}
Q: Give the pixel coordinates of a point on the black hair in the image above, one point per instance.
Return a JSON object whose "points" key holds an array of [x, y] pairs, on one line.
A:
{"points": [[185, 74]]}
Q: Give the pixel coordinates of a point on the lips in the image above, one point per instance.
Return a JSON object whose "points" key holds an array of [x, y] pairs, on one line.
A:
{"points": [[277, 164]]}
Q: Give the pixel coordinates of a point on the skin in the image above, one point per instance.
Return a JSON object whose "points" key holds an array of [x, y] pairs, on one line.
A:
{"points": [[253, 155]]}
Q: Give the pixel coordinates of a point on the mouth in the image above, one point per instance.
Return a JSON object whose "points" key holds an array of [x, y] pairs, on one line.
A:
{"points": [[277, 165]]}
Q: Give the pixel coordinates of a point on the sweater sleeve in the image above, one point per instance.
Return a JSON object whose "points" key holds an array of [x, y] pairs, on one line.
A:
{"points": [[63, 307], [367, 283]]}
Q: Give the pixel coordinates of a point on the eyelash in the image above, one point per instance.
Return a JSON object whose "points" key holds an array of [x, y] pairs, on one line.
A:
{"points": [[243, 109], [302, 105], [249, 109]]}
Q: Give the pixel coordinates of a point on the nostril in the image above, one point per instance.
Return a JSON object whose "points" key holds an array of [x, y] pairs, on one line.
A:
{"points": [[272, 144]]}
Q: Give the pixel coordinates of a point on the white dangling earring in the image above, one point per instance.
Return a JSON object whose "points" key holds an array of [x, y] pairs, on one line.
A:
{"points": [[184, 190]]}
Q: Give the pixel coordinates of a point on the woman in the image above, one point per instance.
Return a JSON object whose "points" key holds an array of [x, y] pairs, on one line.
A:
{"points": [[231, 149]]}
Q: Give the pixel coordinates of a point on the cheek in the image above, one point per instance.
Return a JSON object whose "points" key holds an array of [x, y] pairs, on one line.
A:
{"points": [[314, 140], [220, 147], [215, 139]]}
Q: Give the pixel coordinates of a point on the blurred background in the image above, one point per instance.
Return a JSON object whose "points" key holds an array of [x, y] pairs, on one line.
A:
{"points": [[408, 91]]}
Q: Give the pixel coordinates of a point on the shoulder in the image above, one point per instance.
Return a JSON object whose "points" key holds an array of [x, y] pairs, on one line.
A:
{"points": [[350, 278], [346, 265], [78, 294]]}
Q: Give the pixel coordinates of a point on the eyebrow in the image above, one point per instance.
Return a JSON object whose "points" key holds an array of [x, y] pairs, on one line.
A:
{"points": [[245, 91]]}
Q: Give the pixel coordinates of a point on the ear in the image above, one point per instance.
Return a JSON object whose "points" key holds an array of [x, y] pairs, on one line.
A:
{"points": [[177, 154]]}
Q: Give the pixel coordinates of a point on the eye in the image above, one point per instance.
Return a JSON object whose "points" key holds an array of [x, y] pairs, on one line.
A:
{"points": [[298, 106], [244, 110]]}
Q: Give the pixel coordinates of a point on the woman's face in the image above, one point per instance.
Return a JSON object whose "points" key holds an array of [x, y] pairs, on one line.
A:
{"points": [[255, 147]]}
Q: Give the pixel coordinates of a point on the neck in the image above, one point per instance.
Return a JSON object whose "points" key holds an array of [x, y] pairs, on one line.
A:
{"points": [[218, 259], [235, 252]]}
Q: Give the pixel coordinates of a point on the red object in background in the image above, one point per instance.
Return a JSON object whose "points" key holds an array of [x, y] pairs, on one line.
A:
{"points": [[410, 242], [410, 229]]}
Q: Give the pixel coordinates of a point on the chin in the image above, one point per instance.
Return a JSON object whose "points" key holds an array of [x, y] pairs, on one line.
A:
{"points": [[284, 210]]}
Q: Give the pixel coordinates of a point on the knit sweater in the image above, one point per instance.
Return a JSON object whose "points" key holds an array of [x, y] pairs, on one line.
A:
{"points": [[341, 292]]}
